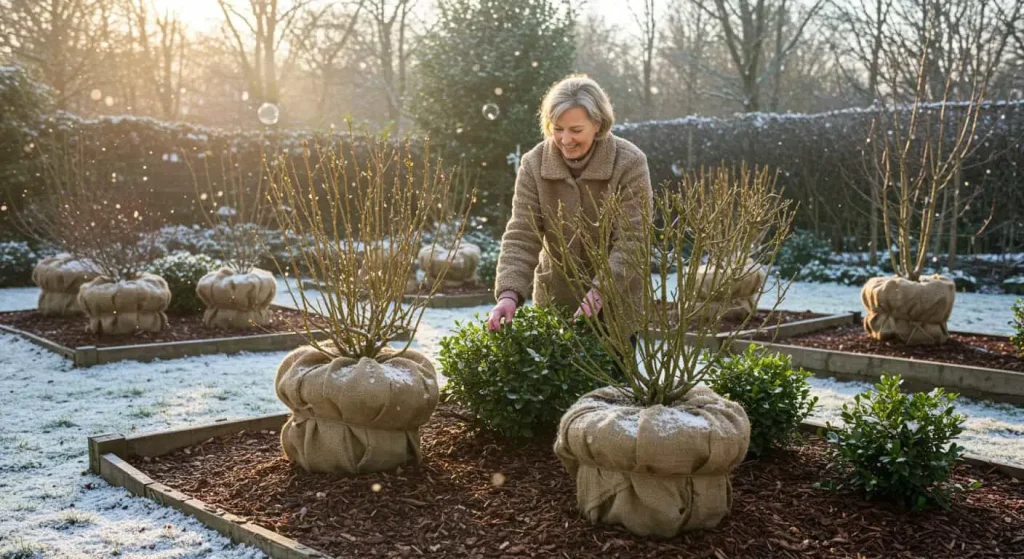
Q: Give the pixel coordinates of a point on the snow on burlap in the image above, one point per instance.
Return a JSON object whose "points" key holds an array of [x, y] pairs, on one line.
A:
{"points": [[912, 312], [237, 301], [59, 278], [126, 306], [355, 416], [656, 470]]}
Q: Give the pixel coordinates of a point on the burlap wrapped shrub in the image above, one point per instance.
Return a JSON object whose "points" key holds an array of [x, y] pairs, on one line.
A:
{"points": [[127, 306], [355, 416], [462, 270], [915, 313], [59, 278], [237, 301], [655, 470], [738, 300]]}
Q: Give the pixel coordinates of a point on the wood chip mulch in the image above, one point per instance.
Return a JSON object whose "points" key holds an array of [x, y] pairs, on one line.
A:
{"points": [[478, 495], [992, 352], [768, 319], [70, 331]]}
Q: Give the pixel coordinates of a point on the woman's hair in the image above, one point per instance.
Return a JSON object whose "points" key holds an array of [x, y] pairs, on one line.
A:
{"points": [[577, 91]]}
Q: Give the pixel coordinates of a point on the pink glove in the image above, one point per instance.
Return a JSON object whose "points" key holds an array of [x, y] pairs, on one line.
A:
{"points": [[504, 309], [591, 304]]}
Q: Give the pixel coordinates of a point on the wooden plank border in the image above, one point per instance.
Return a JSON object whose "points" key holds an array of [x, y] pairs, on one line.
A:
{"points": [[975, 382]]}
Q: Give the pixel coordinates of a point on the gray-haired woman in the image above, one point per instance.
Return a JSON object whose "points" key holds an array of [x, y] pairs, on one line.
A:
{"points": [[575, 167]]}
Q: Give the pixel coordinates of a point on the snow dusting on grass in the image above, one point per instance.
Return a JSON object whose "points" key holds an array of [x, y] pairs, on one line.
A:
{"points": [[50, 507]]}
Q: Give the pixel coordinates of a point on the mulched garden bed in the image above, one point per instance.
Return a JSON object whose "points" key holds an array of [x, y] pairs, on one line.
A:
{"points": [[70, 332], [992, 352], [479, 495], [767, 319], [461, 290]]}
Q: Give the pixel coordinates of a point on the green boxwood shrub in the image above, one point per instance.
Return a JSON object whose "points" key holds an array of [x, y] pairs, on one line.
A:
{"points": [[519, 380], [899, 446], [775, 396], [17, 260], [183, 272], [800, 249]]}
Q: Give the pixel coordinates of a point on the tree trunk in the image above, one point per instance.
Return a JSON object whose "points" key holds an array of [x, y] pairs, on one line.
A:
{"points": [[953, 218]]}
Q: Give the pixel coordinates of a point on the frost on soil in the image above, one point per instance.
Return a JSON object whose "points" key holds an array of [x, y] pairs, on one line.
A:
{"points": [[48, 504]]}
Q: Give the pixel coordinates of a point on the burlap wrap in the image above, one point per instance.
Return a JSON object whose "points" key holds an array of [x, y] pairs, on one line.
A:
{"points": [[657, 470], [355, 416], [59, 278], [236, 301], [462, 270], [912, 312], [735, 301], [125, 307]]}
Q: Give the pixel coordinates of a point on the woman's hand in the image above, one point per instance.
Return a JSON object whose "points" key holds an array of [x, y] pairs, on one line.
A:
{"points": [[504, 309], [591, 304]]}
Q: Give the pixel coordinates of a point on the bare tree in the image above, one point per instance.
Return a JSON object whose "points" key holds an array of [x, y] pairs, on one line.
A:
{"points": [[59, 40], [645, 20], [749, 29], [162, 44], [390, 46], [321, 37], [267, 24]]}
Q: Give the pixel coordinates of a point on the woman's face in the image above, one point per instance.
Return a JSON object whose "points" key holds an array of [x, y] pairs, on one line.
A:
{"points": [[574, 133]]}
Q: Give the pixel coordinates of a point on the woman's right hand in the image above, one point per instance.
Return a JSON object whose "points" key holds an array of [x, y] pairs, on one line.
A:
{"points": [[504, 309]]}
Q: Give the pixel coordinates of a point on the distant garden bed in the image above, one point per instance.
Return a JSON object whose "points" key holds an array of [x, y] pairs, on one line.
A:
{"points": [[184, 336], [972, 350], [479, 495]]}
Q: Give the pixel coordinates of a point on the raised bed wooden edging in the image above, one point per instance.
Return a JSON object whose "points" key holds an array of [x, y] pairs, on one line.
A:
{"points": [[974, 382], [108, 455], [778, 331], [87, 356], [443, 301]]}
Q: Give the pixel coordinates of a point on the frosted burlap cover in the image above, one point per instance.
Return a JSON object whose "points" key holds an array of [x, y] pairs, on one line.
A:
{"points": [[738, 299], [915, 313], [462, 270], [236, 301], [657, 470], [355, 416], [59, 278], [125, 307]]}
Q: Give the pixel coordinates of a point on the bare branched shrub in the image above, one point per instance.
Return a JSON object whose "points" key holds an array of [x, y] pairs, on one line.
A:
{"points": [[96, 215], [912, 159], [364, 208], [729, 221], [236, 206]]}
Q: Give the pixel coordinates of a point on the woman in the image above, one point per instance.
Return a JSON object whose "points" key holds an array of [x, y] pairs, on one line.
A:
{"points": [[578, 162]]}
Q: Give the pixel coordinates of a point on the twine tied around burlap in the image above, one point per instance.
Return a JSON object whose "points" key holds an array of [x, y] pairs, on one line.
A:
{"points": [[59, 279], [656, 470], [355, 416], [915, 313], [237, 301], [126, 306], [463, 268]]}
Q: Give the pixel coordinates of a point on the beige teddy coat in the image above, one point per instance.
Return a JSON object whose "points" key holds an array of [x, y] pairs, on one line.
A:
{"points": [[544, 182]]}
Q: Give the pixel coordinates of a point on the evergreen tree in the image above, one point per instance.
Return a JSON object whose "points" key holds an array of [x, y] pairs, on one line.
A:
{"points": [[482, 75]]}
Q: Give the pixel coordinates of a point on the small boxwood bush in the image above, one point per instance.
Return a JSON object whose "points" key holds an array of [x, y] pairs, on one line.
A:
{"points": [[519, 380], [899, 446], [182, 271], [800, 249], [775, 396], [17, 260], [1018, 326]]}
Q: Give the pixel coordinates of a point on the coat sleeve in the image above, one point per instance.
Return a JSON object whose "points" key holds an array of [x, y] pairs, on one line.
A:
{"points": [[521, 243], [638, 202]]}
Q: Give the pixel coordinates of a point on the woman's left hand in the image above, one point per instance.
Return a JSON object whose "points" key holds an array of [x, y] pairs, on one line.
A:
{"points": [[591, 304]]}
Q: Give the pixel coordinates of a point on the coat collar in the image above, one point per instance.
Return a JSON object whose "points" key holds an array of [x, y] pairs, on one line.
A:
{"points": [[553, 166]]}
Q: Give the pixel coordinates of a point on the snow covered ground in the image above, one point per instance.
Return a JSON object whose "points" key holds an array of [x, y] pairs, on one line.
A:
{"points": [[50, 507]]}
